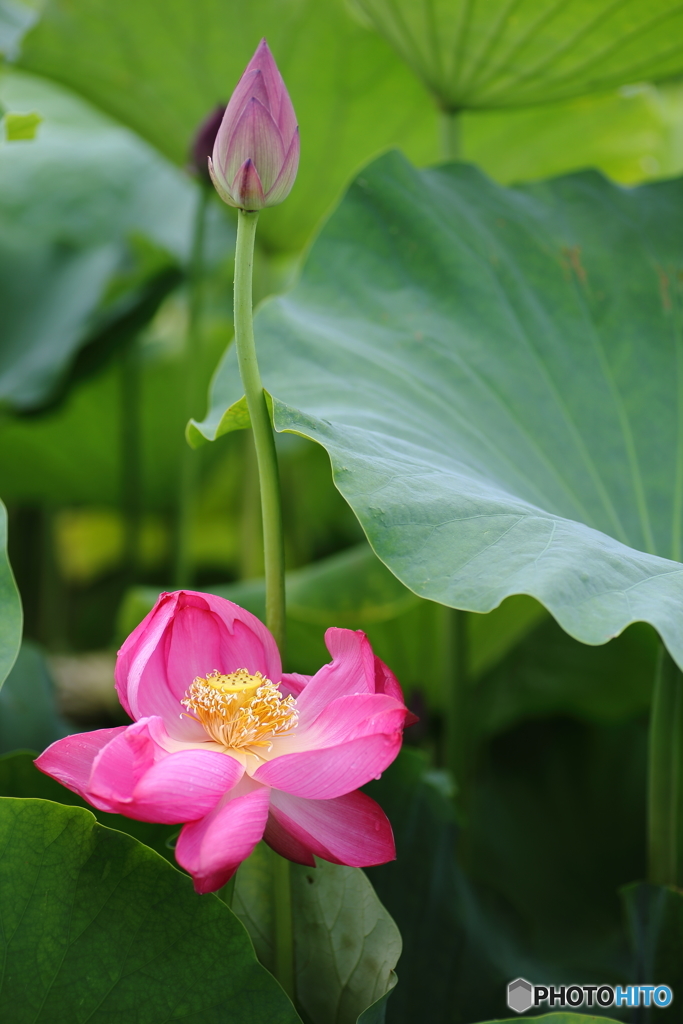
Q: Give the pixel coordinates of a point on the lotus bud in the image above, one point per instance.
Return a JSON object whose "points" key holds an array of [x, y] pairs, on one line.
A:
{"points": [[256, 153], [202, 144]]}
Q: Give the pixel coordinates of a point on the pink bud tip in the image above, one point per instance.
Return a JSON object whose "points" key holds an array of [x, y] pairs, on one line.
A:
{"points": [[256, 152]]}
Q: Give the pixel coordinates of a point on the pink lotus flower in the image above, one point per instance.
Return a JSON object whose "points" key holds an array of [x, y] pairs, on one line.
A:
{"points": [[256, 153], [225, 744]]}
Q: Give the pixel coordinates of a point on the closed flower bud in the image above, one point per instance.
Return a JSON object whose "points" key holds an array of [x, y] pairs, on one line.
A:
{"points": [[256, 153]]}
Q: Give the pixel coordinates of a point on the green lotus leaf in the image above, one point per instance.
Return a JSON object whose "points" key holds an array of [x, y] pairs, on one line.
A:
{"points": [[503, 54], [485, 367], [96, 926]]}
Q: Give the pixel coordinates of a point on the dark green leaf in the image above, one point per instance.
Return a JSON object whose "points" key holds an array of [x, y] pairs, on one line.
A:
{"points": [[482, 364], [97, 927], [555, 825], [549, 673], [346, 944], [457, 946], [502, 54], [10, 606]]}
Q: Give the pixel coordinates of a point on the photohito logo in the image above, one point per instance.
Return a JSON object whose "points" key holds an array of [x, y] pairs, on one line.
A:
{"points": [[522, 995]]}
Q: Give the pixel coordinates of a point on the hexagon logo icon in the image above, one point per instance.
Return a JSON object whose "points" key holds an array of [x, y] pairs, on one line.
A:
{"points": [[520, 996]]}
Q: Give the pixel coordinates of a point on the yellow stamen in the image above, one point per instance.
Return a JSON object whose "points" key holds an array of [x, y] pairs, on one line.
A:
{"points": [[241, 710]]}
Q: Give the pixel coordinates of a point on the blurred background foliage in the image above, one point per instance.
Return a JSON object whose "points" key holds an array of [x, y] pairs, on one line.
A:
{"points": [[97, 218]]}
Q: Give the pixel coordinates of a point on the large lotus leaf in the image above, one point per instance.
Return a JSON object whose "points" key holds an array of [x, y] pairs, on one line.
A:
{"points": [[10, 606], [504, 53], [70, 201], [97, 927], [484, 366], [160, 68]]}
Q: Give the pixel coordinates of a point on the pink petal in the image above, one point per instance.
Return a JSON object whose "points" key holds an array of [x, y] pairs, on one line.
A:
{"points": [[278, 97], [282, 185], [186, 635], [331, 771], [246, 189], [346, 718], [134, 775], [213, 848], [351, 830], [386, 681], [351, 671], [250, 86], [139, 645], [221, 186], [256, 137], [70, 760]]}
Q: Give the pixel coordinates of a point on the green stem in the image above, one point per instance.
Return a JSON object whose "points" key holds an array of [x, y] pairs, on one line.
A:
{"points": [[665, 796], [273, 541], [189, 465], [283, 966], [449, 134], [264, 438], [457, 704]]}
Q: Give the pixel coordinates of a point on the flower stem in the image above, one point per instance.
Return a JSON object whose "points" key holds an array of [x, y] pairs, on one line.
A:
{"points": [[264, 439], [283, 966], [458, 697], [449, 134], [273, 541], [182, 569], [665, 795]]}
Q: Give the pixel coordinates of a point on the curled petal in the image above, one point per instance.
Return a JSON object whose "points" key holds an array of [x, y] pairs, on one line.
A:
{"points": [[350, 829], [134, 775], [212, 849], [292, 683], [70, 760], [386, 682], [352, 670]]}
